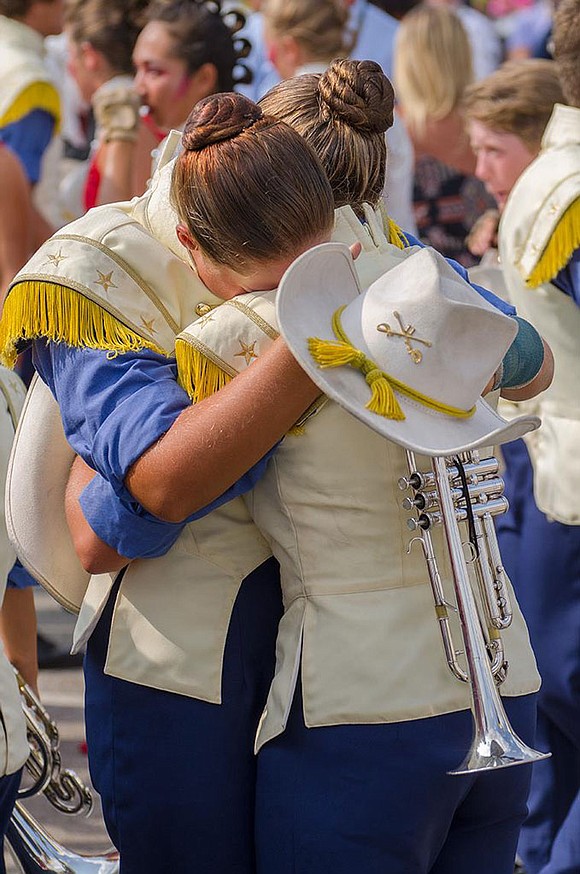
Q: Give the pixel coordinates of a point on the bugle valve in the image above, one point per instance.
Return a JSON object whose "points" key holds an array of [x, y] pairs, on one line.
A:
{"points": [[453, 491]]}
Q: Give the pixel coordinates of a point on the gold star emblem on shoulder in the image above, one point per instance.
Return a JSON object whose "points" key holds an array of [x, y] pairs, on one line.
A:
{"points": [[201, 323], [148, 324], [247, 351], [105, 279], [56, 258]]}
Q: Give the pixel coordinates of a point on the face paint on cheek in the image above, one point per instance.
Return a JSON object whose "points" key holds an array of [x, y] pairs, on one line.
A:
{"points": [[183, 85]]}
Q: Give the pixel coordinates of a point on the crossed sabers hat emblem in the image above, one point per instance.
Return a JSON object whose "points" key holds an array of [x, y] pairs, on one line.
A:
{"points": [[408, 335]]}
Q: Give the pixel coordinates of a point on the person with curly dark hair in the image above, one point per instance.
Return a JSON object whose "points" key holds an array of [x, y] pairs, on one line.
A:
{"points": [[186, 51], [101, 35]]}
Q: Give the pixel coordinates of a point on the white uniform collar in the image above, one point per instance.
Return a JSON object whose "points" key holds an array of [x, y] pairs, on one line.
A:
{"points": [[20, 35], [563, 128]]}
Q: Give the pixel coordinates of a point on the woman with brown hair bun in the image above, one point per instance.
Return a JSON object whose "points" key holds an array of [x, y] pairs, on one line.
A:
{"points": [[242, 331], [363, 719], [343, 113], [180, 633]]}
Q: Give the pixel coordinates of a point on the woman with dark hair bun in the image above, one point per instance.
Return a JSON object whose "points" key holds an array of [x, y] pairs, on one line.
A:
{"points": [[187, 50], [180, 52], [180, 632]]}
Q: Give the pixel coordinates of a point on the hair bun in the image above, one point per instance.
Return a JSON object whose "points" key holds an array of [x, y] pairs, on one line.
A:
{"points": [[359, 94], [217, 118]]}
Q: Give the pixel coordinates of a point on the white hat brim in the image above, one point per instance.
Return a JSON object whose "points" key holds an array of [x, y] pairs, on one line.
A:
{"points": [[311, 291], [36, 482]]}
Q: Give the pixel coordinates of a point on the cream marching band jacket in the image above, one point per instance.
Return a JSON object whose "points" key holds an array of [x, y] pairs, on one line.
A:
{"points": [[26, 84], [538, 234], [359, 622], [118, 279], [14, 747]]}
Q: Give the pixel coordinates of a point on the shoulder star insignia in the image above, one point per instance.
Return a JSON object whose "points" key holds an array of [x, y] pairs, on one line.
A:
{"points": [[105, 280], [57, 258], [201, 323], [148, 325], [248, 351]]}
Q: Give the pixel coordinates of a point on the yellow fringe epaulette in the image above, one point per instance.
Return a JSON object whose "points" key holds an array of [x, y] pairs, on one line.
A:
{"points": [[35, 309], [393, 232], [201, 378], [395, 235], [562, 244], [196, 374], [39, 95]]}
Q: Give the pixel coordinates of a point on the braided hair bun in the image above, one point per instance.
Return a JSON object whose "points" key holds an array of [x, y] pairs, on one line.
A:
{"points": [[357, 93], [217, 118]]}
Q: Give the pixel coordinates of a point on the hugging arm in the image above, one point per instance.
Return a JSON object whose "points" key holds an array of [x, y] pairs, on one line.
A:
{"points": [[211, 453], [214, 443]]}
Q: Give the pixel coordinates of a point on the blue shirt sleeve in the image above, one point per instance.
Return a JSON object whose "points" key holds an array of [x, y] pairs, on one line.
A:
{"points": [[135, 533], [19, 578], [568, 279], [489, 296], [113, 409], [28, 138]]}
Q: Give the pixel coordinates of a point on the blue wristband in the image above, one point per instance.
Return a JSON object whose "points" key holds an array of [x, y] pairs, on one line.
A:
{"points": [[524, 359]]}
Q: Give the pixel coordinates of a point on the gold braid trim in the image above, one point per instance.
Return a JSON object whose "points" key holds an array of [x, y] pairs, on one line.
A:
{"points": [[196, 374], [563, 242], [35, 309]]}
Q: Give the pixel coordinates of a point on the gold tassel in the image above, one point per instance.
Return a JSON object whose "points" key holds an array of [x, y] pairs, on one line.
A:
{"points": [[41, 309], [395, 235], [383, 399], [198, 376], [39, 95], [331, 353], [563, 242]]}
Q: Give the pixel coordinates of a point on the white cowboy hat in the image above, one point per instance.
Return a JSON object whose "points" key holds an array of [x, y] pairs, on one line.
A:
{"points": [[38, 473], [409, 357]]}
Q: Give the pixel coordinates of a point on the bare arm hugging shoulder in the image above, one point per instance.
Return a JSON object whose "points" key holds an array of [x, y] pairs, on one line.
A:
{"points": [[214, 443]]}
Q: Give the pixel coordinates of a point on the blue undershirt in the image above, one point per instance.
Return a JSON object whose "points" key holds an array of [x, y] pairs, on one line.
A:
{"points": [[29, 138], [112, 411], [568, 279]]}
